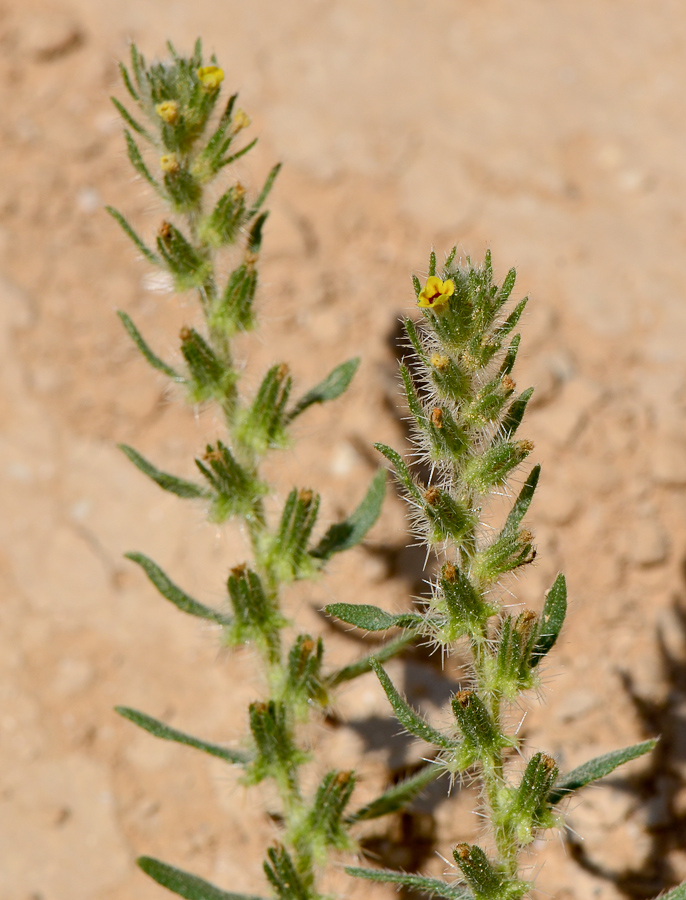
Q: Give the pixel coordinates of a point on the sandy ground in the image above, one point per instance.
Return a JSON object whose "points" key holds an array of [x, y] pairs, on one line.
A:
{"points": [[551, 132]]}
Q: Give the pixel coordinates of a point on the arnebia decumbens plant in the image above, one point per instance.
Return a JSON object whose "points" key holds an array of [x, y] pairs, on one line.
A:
{"points": [[466, 415], [188, 142]]}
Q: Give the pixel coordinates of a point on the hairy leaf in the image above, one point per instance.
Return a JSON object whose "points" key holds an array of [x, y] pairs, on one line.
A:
{"points": [[432, 886], [178, 486], [184, 884], [174, 594], [344, 535], [552, 619], [335, 384], [139, 341], [166, 733], [597, 768], [371, 618], [399, 795], [408, 717]]}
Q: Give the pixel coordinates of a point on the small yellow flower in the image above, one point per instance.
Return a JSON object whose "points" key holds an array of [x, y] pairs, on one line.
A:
{"points": [[435, 293], [169, 164], [168, 111], [241, 120], [210, 77]]}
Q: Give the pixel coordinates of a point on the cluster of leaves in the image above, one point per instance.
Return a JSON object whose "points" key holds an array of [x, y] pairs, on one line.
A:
{"points": [[465, 413], [180, 140]]}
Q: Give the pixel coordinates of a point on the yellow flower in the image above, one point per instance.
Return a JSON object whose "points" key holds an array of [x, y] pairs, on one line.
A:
{"points": [[169, 164], [168, 111], [435, 293], [210, 77], [241, 120]]}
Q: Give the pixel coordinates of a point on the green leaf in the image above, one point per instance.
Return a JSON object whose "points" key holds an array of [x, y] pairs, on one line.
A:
{"points": [[264, 193], [371, 618], [401, 470], [330, 388], [128, 230], [597, 768], [399, 795], [364, 664], [178, 486], [136, 160], [128, 118], [523, 501], [184, 884], [344, 535], [166, 733], [552, 619], [408, 717], [515, 414], [432, 886], [174, 594], [139, 341]]}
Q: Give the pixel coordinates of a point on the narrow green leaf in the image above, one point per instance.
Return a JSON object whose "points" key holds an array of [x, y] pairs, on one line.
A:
{"points": [[344, 535], [178, 486], [371, 618], [408, 717], [139, 341], [231, 159], [174, 594], [432, 886], [552, 619], [131, 122], [597, 768], [137, 161], [523, 501], [401, 470], [399, 795], [124, 72], [412, 399], [364, 664], [264, 193], [417, 285], [166, 733], [184, 884], [330, 388], [128, 230], [515, 414]]}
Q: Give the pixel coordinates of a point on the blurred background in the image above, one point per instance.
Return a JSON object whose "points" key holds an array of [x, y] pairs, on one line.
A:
{"points": [[552, 133]]}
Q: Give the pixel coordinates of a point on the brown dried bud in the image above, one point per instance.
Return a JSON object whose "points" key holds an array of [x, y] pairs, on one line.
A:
{"points": [[449, 572], [239, 571], [342, 778], [462, 851], [525, 446], [185, 334], [548, 762], [165, 231], [212, 454], [507, 383], [525, 536], [437, 417], [525, 622], [307, 647], [250, 259], [283, 371], [305, 496], [464, 698], [440, 362], [432, 496]]}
